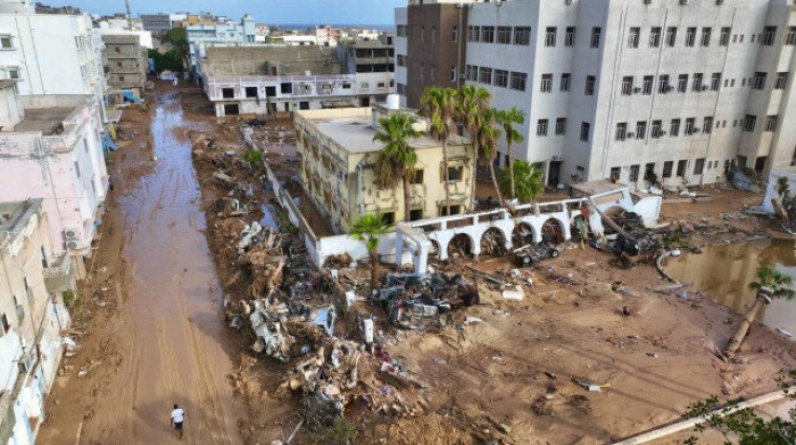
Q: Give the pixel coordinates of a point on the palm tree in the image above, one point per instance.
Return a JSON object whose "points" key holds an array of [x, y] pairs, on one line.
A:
{"points": [[439, 105], [487, 136], [507, 119], [369, 229], [397, 158], [770, 283], [471, 104], [529, 181]]}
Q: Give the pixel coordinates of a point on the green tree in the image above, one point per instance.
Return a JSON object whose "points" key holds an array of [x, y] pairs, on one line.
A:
{"points": [[487, 136], [471, 105], [397, 158], [369, 229], [745, 425], [178, 38], [770, 283], [439, 106], [507, 119], [528, 182]]}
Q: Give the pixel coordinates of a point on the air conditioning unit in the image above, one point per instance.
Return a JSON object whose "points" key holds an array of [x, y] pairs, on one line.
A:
{"points": [[71, 233], [73, 245]]}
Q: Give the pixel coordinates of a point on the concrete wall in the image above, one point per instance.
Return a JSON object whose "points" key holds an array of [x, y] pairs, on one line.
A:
{"points": [[11, 110]]}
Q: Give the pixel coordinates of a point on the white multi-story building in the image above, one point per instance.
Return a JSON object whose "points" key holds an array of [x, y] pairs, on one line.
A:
{"points": [[680, 88], [51, 53], [32, 315], [201, 36]]}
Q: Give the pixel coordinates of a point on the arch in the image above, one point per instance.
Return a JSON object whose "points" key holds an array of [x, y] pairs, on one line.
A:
{"points": [[434, 251], [493, 242], [523, 234], [554, 231], [460, 245]]}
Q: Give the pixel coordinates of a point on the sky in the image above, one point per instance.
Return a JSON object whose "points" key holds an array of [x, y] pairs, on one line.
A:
{"points": [[333, 12]]}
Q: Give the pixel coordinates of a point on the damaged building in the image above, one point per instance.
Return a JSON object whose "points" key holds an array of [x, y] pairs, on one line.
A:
{"points": [[336, 155], [257, 79]]}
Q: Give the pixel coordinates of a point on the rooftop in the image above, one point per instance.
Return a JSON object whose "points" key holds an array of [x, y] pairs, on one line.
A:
{"points": [[253, 60], [13, 216], [351, 129], [47, 120]]}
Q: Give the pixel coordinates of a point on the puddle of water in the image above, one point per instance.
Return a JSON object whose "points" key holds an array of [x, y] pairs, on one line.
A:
{"points": [[723, 273], [268, 217]]}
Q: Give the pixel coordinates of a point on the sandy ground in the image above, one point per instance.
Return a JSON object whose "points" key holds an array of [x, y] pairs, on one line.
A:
{"points": [[152, 308]]}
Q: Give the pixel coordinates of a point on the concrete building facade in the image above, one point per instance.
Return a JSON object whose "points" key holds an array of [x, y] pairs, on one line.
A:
{"points": [[673, 90], [200, 36], [126, 60], [50, 148], [32, 316], [336, 156], [259, 79]]}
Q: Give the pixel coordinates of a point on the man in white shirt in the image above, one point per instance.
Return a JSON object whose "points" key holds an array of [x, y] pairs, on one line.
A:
{"points": [[177, 416]]}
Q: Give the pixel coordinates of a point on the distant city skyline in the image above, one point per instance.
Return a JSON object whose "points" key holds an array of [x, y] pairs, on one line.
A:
{"points": [[348, 12]]}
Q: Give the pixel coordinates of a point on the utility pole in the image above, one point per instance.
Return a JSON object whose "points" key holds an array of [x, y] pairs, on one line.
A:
{"points": [[129, 16]]}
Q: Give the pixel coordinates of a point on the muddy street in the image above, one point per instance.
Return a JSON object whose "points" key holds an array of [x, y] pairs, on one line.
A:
{"points": [[168, 333]]}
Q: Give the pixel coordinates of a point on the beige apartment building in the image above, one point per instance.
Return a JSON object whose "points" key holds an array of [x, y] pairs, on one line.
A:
{"points": [[336, 156]]}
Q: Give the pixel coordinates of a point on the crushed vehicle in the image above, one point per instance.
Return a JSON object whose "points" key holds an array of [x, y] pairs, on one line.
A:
{"points": [[533, 254]]}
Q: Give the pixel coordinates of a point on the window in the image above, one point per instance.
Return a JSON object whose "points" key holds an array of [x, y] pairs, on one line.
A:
{"points": [[790, 38], [518, 81], [616, 172], [455, 174], [522, 35], [417, 177], [77, 169], [452, 210], [769, 34], [682, 165], [433, 75], [749, 123], [455, 33], [705, 40], [473, 33], [632, 37], [671, 36], [561, 126], [400, 60], [621, 131], [655, 37], [667, 169], [433, 34], [649, 171], [743, 82], [689, 126], [682, 83], [724, 39], [547, 83], [699, 166], [590, 81], [117, 49], [742, 36], [585, 129], [13, 73], [504, 35], [663, 84], [541, 127], [759, 81], [707, 124], [641, 129], [657, 129], [453, 74], [771, 124], [782, 80], [674, 128], [501, 78], [487, 34], [565, 81], [569, 37], [715, 81], [634, 169], [690, 37], [401, 30], [596, 32], [415, 215], [4, 324], [550, 37], [485, 75], [5, 42], [646, 85], [627, 85], [697, 84]]}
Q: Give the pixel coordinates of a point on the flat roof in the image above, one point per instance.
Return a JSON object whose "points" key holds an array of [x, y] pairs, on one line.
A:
{"points": [[46, 120], [354, 133], [600, 187], [13, 215]]}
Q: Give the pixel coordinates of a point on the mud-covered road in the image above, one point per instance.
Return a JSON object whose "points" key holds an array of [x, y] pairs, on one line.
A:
{"points": [[168, 330]]}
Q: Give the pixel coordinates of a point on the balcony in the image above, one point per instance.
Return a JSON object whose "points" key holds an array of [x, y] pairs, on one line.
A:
{"points": [[58, 276]]}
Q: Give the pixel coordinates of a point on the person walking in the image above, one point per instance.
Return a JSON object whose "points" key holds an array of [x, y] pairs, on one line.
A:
{"points": [[177, 417]]}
